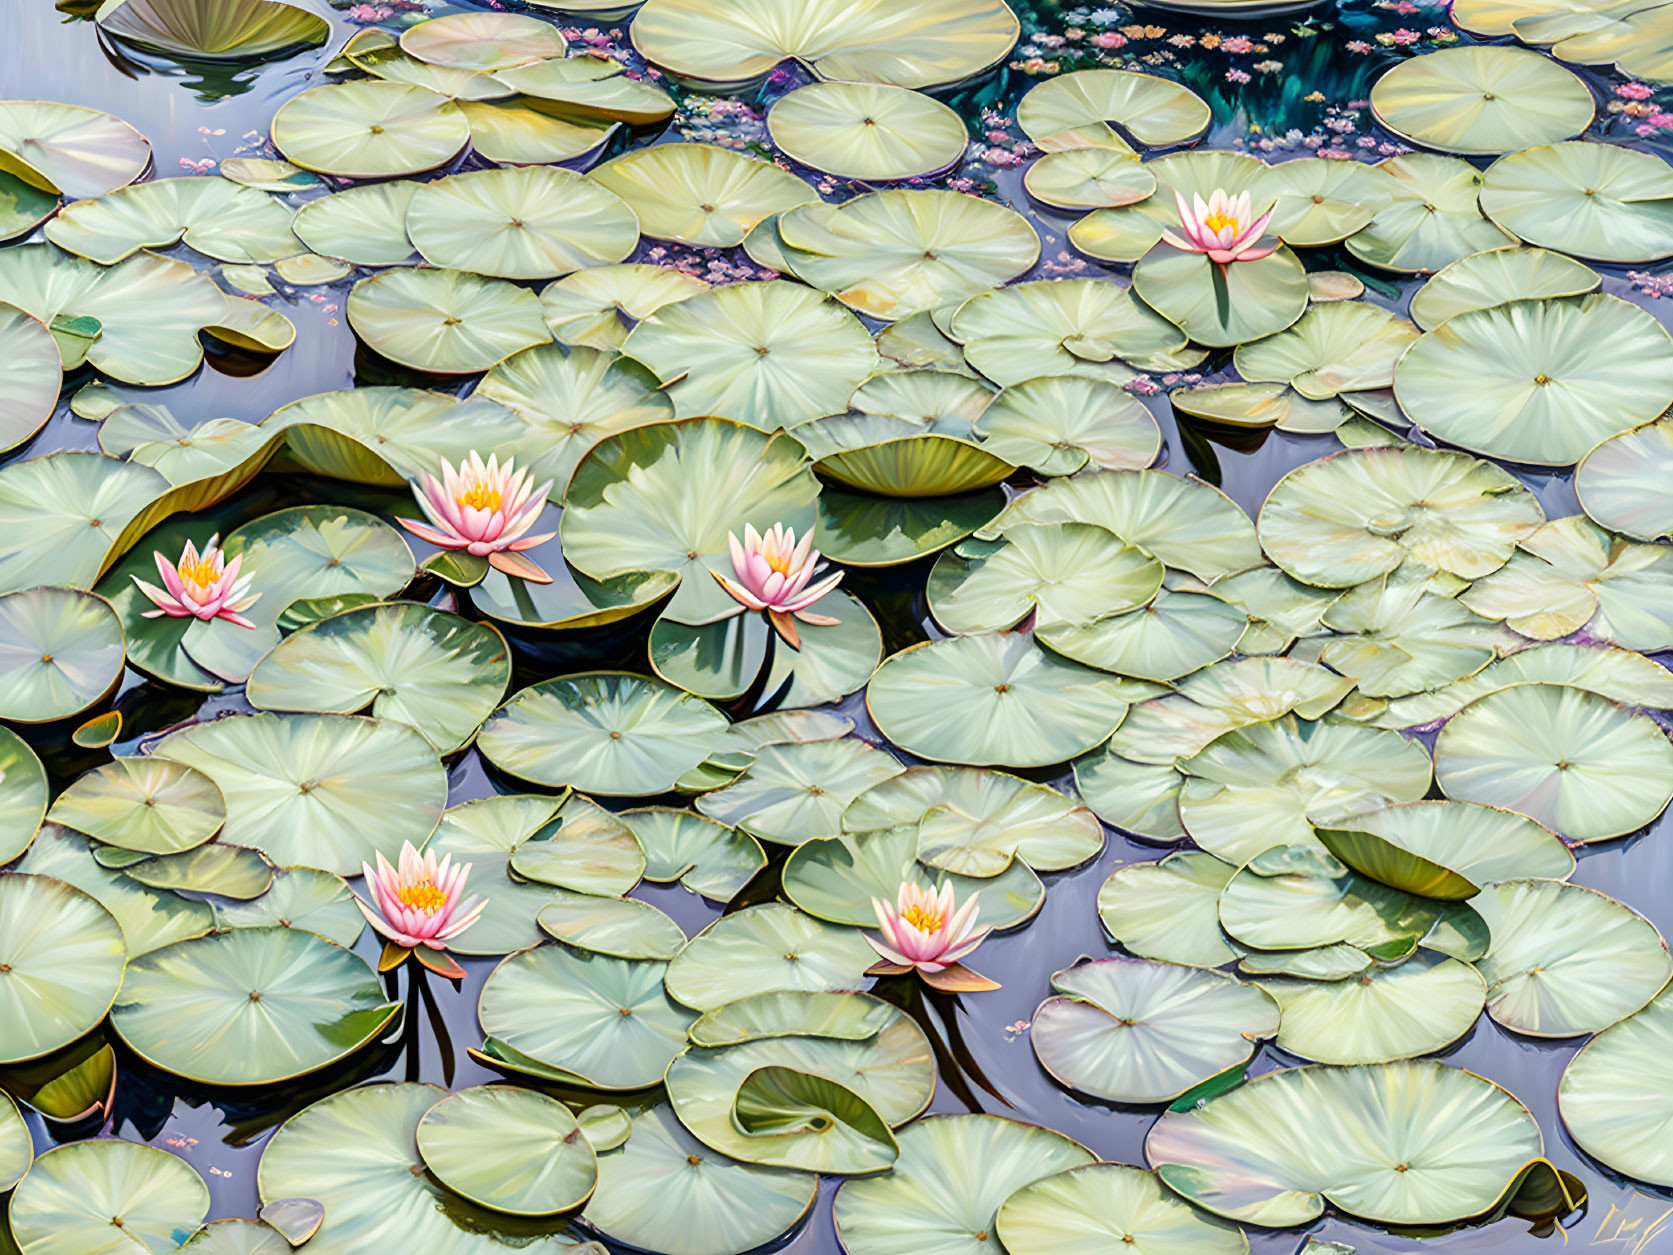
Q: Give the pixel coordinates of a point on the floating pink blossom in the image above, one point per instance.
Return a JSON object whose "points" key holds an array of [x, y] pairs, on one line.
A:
{"points": [[420, 903], [1634, 91], [484, 510], [203, 586], [1223, 227], [773, 572], [923, 932]]}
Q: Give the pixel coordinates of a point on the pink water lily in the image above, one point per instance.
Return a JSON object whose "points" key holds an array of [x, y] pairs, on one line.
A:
{"points": [[203, 586], [484, 510], [772, 572], [922, 931], [1224, 227], [419, 905]]}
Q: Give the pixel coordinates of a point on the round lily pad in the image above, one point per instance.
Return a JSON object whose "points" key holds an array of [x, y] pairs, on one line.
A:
{"points": [[953, 1174], [768, 354], [608, 732], [706, 857], [483, 41], [1572, 760], [1059, 425], [250, 1007], [439, 674], [1498, 276], [1169, 909], [62, 956], [662, 1189], [767, 947], [23, 795], [1426, 847], [590, 86], [449, 322], [870, 131], [700, 194], [1597, 202], [30, 377], [300, 897], [1064, 327], [1221, 305], [1321, 202], [1341, 346], [624, 927], [1482, 99], [586, 849], [217, 217], [1077, 110], [596, 307], [61, 651], [369, 129], [508, 1149], [1083, 1211], [604, 1020], [1614, 1098], [76, 151], [512, 133], [106, 1197], [1174, 635], [1129, 232], [1139, 1031], [1432, 220], [326, 791], [364, 225], [1512, 383], [892, 458], [151, 805], [793, 792], [1618, 482], [1088, 178], [1565, 959], [237, 1236], [996, 699], [530, 222]]}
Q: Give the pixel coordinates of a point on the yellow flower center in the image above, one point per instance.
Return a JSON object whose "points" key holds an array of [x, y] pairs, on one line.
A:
{"points": [[923, 918], [199, 571], [423, 896], [1216, 222], [480, 496]]}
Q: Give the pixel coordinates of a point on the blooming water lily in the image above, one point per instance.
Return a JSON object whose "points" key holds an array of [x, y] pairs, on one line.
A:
{"points": [[484, 510], [772, 572], [923, 931], [203, 586], [420, 906], [1224, 227]]}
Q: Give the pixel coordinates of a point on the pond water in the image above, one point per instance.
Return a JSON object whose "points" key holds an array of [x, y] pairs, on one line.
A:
{"points": [[1280, 87]]}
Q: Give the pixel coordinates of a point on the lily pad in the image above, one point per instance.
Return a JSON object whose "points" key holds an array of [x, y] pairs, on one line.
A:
{"points": [[147, 804], [1618, 482], [1342, 346], [700, 194], [663, 1189], [29, 379], [1083, 1211], [1399, 1144], [1174, 635], [1447, 849], [1088, 178], [70, 150], [1433, 219], [508, 1149], [217, 217], [370, 129], [1482, 100], [61, 651], [1131, 231], [483, 41], [300, 897], [106, 1197], [1077, 110], [793, 792], [1322, 201], [1065, 327], [910, 44], [870, 131], [585, 849], [449, 322], [1169, 909], [706, 857], [1063, 424], [606, 1021], [597, 307], [1613, 1095], [1496, 277], [512, 133], [589, 86], [763, 948], [1139, 1031], [364, 225], [433, 671], [250, 1007], [63, 957], [1572, 760], [623, 927], [1222, 305], [324, 791], [1597, 202], [23, 795]]}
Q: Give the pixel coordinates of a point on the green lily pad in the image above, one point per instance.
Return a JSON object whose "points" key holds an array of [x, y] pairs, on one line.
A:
{"points": [[858, 529], [606, 1021], [768, 947], [993, 699], [623, 927], [250, 1007], [1260, 405], [1174, 635], [364, 225], [1405, 1143], [1075, 111], [64, 511], [63, 955], [30, 378], [663, 1189], [61, 651], [324, 791], [1059, 425], [201, 30], [1342, 346], [1613, 1095], [217, 217], [1597, 202], [943, 1192], [1496, 277], [529, 222], [1139, 1031], [793, 792], [483, 41], [706, 857], [1447, 849], [1576, 762], [1322, 202], [593, 87], [870, 131], [237, 1236], [605, 1125], [300, 897], [1170, 909], [1131, 231], [596, 307], [355, 1152], [1512, 381], [1482, 100], [147, 804], [1084, 1211], [23, 795], [227, 871], [924, 43], [608, 732], [1221, 305], [449, 322], [369, 129], [68, 149], [1618, 482], [508, 1149], [585, 849], [766, 354], [1088, 178], [1065, 327], [106, 1197], [1565, 959], [1433, 219], [512, 133], [433, 671], [700, 194]]}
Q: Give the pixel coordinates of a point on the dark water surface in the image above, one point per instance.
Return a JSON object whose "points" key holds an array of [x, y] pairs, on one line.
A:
{"points": [[192, 118]]}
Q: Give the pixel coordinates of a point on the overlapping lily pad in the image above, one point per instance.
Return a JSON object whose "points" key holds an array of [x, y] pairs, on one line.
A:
{"points": [[597, 307], [106, 1197], [217, 217], [1433, 219], [68, 149], [1500, 275], [1064, 327], [370, 129], [30, 377], [763, 948], [1169, 909], [61, 651], [699, 193], [63, 957], [1342, 346], [870, 131], [449, 322], [1481, 100], [1081, 1211], [793, 792], [1613, 1095], [1084, 108], [1597, 202], [151, 805], [509, 1149]]}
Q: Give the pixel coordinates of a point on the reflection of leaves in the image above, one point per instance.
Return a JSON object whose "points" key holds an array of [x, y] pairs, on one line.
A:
{"points": [[1204, 460]]}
